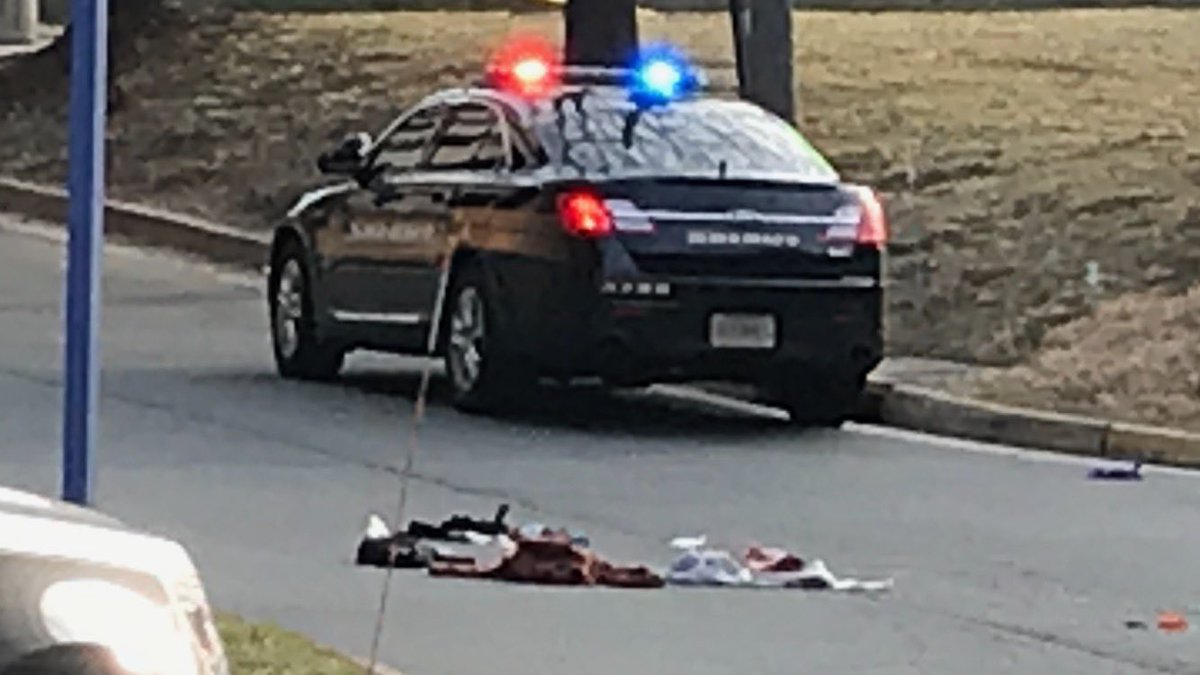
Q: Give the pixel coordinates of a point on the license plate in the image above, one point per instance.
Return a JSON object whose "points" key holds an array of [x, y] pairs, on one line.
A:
{"points": [[742, 331]]}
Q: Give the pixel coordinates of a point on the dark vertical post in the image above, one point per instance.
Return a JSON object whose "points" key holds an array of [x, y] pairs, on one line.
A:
{"points": [[762, 38], [740, 21], [600, 32], [85, 222]]}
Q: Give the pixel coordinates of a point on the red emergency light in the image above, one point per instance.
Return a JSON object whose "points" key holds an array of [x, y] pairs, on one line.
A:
{"points": [[527, 66]]}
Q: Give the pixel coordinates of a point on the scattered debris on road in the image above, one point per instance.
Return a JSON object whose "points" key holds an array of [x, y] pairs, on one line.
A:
{"points": [[552, 561], [758, 567], [539, 554], [381, 548], [1172, 622], [540, 531], [1132, 473], [458, 527], [1167, 622], [533, 553]]}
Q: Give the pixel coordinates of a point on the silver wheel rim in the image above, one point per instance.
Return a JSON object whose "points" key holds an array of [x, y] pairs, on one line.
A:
{"points": [[467, 330], [289, 308]]}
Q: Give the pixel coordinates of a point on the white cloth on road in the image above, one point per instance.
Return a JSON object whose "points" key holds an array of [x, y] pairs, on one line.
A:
{"points": [[701, 566]]}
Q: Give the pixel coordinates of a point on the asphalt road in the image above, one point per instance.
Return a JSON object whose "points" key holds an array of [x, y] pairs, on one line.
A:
{"points": [[1005, 562]]}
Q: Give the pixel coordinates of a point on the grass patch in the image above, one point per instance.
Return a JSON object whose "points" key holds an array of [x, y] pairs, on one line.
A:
{"points": [[256, 649]]}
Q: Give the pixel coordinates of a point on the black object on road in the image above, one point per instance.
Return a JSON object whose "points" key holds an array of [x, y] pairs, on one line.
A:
{"points": [[454, 527], [404, 550], [1133, 473], [399, 550]]}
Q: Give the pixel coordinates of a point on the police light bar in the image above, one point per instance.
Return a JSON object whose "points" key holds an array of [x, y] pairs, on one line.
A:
{"points": [[530, 67]]}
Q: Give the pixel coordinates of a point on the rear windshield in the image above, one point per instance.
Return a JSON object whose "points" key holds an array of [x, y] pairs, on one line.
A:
{"points": [[592, 136]]}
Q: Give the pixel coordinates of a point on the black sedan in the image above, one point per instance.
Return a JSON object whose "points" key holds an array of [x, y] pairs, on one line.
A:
{"points": [[573, 231]]}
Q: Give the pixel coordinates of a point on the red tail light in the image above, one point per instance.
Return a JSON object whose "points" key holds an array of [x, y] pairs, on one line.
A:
{"points": [[584, 214], [872, 224]]}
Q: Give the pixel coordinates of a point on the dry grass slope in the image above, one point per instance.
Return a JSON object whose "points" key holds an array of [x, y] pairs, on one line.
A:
{"points": [[1137, 359], [1013, 148]]}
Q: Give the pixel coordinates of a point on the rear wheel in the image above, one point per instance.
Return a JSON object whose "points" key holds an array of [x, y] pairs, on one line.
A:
{"points": [[817, 398], [485, 374], [299, 352]]}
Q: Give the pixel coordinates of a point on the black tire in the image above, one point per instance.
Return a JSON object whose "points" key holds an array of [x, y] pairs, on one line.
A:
{"points": [[300, 353], [494, 379], [818, 399], [69, 659]]}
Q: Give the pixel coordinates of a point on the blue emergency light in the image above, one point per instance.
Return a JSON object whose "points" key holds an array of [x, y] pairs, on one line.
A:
{"points": [[661, 74]]}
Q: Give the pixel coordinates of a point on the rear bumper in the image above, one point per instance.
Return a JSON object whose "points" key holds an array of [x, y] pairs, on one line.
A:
{"points": [[657, 336]]}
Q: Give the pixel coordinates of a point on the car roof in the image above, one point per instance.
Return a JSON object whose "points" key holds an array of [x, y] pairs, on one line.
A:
{"points": [[527, 108], [535, 117]]}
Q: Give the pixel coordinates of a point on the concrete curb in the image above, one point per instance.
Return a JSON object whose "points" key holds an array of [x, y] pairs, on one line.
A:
{"points": [[1153, 445], [144, 225], [899, 405], [922, 409], [935, 412]]}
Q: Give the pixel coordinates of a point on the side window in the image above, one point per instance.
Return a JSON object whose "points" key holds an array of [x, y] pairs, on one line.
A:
{"points": [[470, 141], [405, 147]]}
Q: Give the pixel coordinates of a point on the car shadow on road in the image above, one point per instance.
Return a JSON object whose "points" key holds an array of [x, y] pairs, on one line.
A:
{"points": [[589, 409], [585, 409]]}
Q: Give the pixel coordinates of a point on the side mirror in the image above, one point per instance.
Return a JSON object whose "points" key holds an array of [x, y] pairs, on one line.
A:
{"points": [[348, 158]]}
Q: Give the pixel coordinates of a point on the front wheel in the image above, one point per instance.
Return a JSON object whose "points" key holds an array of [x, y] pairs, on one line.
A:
{"points": [[816, 398], [299, 352], [485, 374]]}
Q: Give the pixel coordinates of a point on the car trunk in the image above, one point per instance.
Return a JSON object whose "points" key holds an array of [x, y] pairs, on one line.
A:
{"points": [[739, 229]]}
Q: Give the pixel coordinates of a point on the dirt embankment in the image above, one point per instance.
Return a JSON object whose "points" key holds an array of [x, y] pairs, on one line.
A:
{"points": [[1016, 150], [1136, 358]]}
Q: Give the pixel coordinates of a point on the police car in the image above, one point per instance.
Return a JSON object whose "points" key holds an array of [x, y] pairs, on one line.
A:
{"points": [[82, 594], [567, 222]]}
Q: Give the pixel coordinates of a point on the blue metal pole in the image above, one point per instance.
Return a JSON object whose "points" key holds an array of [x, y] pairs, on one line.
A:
{"points": [[85, 244]]}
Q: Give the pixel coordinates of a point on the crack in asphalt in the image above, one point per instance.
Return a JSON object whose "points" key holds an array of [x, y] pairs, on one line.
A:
{"points": [[393, 470], [1051, 639], [1063, 642], [211, 420], [186, 299]]}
